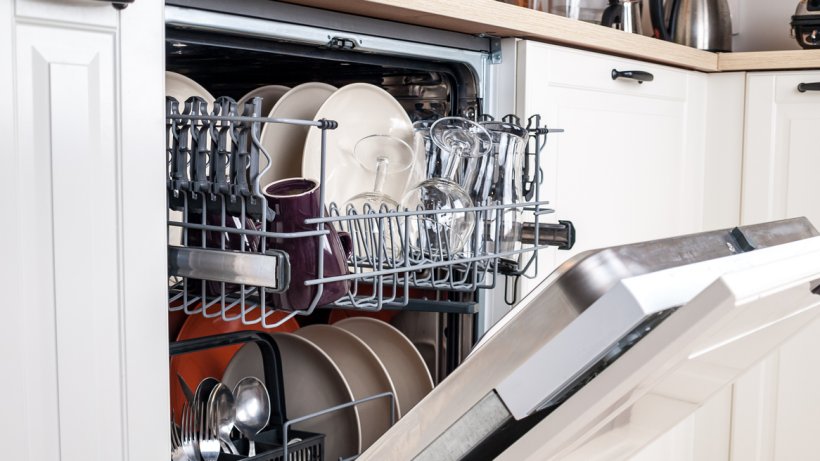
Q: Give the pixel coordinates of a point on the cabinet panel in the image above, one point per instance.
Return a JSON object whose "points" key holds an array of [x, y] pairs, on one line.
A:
{"points": [[68, 177], [780, 148], [630, 165], [143, 228]]}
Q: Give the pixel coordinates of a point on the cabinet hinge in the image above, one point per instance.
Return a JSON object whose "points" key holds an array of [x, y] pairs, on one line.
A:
{"points": [[495, 50]]}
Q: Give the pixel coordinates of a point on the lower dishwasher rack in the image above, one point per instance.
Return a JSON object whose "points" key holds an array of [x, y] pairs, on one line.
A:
{"points": [[226, 256]]}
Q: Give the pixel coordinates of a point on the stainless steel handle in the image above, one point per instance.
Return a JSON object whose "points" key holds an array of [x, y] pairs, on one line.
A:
{"points": [[803, 87], [561, 235], [637, 75], [270, 270]]}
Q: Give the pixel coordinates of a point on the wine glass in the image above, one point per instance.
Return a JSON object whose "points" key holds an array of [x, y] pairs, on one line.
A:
{"points": [[384, 155], [446, 234], [504, 226]]}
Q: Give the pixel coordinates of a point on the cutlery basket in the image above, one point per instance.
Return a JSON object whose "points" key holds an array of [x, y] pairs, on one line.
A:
{"points": [[269, 443], [310, 447], [220, 229]]}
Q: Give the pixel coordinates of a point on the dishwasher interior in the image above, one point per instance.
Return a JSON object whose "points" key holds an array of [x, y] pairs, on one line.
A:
{"points": [[237, 266]]}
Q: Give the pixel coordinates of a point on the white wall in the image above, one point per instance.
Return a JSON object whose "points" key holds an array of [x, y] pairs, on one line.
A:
{"points": [[763, 25]]}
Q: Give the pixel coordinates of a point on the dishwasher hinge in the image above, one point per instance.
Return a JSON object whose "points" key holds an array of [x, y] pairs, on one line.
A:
{"points": [[495, 49]]}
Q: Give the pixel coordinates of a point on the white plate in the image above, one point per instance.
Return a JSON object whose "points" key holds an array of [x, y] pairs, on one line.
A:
{"points": [[181, 88], [270, 95], [312, 383], [361, 110], [401, 359], [362, 370], [285, 143]]}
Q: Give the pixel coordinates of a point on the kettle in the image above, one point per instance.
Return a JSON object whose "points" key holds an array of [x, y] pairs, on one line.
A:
{"points": [[702, 24], [623, 15]]}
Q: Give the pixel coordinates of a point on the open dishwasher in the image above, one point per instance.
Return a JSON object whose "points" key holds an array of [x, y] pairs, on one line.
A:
{"points": [[243, 256], [610, 350]]}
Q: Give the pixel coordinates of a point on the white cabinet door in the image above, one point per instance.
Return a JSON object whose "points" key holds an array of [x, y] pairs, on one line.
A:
{"points": [[634, 163], [776, 410], [629, 166], [781, 149], [83, 271]]}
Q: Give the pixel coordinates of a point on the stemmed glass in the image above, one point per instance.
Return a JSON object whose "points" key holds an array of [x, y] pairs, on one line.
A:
{"points": [[384, 155], [503, 228], [446, 234]]}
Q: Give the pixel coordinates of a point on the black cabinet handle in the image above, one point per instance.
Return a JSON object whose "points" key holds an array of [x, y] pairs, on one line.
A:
{"points": [[803, 87], [638, 75], [119, 4]]}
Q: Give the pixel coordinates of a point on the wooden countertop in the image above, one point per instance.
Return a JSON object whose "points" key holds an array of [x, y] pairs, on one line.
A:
{"points": [[503, 20]]}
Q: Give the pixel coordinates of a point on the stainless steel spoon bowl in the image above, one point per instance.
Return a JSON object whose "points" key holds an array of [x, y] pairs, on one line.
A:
{"points": [[222, 412], [252, 408]]}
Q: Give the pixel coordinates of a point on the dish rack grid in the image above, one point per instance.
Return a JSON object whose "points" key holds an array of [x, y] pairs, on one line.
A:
{"points": [[221, 263]]}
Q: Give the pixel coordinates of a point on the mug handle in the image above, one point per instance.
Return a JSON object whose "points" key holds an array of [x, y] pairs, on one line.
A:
{"points": [[347, 243]]}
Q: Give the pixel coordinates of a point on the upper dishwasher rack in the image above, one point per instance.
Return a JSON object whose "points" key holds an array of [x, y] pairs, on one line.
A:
{"points": [[220, 258]]}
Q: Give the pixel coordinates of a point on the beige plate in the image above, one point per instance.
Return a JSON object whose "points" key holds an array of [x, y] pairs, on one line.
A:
{"points": [[270, 95], [285, 143], [361, 110], [362, 370], [312, 383], [182, 88], [401, 359]]}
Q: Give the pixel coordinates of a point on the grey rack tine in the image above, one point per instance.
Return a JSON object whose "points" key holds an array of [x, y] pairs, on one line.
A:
{"points": [[289, 423]]}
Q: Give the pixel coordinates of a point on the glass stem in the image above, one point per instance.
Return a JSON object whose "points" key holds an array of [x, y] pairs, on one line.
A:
{"points": [[381, 174], [453, 165]]}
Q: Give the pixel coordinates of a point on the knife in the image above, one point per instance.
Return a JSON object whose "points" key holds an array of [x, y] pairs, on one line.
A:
{"points": [[189, 395]]}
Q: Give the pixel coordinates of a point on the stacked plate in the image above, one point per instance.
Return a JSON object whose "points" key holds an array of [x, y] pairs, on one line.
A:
{"points": [[293, 151], [324, 366]]}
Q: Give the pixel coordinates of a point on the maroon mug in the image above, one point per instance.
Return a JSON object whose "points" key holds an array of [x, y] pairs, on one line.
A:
{"points": [[294, 200]]}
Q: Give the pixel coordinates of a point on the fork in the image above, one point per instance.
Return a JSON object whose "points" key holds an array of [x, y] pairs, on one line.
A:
{"points": [[177, 454], [209, 446], [188, 433]]}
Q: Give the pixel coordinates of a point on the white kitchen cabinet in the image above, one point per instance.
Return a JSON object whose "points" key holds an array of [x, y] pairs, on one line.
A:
{"points": [[629, 166], [776, 409], [83, 240], [634, 163], [781, 149]]}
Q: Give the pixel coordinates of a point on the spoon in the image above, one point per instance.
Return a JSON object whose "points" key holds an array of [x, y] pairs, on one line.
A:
{"points": [[201, 395], [252, 408], [223, 413]]}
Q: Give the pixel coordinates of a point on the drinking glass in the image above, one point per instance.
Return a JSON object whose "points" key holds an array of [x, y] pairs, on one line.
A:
{"points": [[446, 234], [503, 228], [383, 155]]}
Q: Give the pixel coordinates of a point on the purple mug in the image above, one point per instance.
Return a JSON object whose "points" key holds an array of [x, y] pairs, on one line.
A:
{"points": [[294, 200]]}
